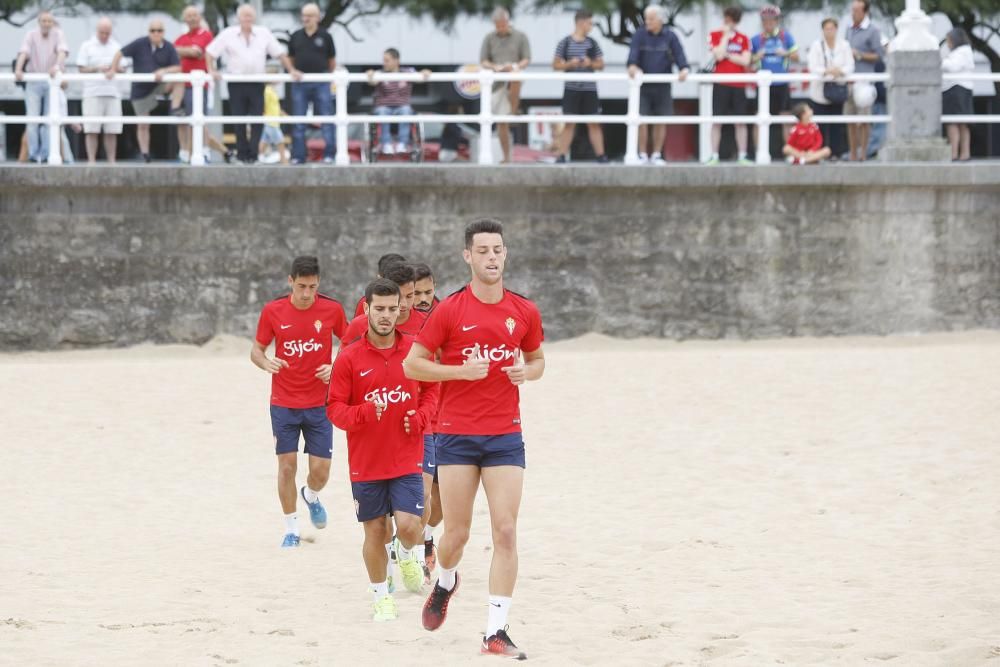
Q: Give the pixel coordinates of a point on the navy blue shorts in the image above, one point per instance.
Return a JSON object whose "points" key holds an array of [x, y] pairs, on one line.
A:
{"points": [[430, 455], [386, 496], [484, 451], [312, 423]]}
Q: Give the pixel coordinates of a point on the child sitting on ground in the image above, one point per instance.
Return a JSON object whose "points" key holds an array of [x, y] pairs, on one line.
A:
{"points": [[805, 142]]}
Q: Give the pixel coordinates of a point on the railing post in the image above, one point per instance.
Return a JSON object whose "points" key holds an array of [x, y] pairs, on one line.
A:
{"points": [[485, 116], [632, 120], [343, 154], [764, 117], [197, 118], [55, 120], [704, 129]]}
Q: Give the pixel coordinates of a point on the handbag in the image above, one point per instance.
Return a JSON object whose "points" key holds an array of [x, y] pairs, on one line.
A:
{"points": [[835, 93]]}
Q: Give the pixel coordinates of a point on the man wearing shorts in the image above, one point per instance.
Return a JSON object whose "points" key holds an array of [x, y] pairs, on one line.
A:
{"points": [[480, 334], [302, 326], [580, 53], [505, 50], [731, 50], [384, 414], [100, 98], [150, 55], [655, 49]]}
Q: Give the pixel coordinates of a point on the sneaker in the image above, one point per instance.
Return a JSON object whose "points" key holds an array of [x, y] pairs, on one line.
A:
{"points": [[183, 156], [402, 149], [385, 610], [501, 644], [413, 574], [711, 162], [329, 160], [643, 158], [146, 158], [602, 159], [561, 160], [657, 160], [291, 540], [745, 161], [387, 149], [230, 156], [317, 513], [436, 608]]}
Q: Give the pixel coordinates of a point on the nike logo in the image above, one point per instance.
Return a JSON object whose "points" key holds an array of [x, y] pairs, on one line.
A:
{"points": [[364, 373], [465, 328], [286, 326], [495, 605], [431, 465], [420, 507]]}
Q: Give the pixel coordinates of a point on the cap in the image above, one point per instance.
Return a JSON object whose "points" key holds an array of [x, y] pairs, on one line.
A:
{"points": [[770, 12]]}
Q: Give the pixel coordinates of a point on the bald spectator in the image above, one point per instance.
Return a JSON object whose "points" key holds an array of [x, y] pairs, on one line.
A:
{"points": [[505, 50], [100, 98], [245, 49], [152, 54], [43, 50], [312, 51]]}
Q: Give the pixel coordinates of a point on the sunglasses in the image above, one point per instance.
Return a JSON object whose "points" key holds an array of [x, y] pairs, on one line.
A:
{"points": [[156, 29]]}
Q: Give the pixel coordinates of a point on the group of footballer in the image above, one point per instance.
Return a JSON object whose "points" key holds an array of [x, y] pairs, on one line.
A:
{"points": [[427, 394]]}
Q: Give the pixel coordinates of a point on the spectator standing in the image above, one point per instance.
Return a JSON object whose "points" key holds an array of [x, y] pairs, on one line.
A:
{"points": [[245, 49], [102, 97], [805, 141], [773, 49], [505, 50], [272, 138], [152, 54], [191, 49], [655, 49], [731, 50], [957, 96], [831, 56], [43, 50], [866, 45], [312, 51], [392, 98], [579, 52]]}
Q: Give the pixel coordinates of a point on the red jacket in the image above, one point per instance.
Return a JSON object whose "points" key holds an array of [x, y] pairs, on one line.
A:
{"points": [[805, 137], [380, 448]]}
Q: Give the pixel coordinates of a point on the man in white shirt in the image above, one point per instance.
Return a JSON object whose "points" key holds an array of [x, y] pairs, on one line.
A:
{"points": [[245, 49], [101, 97]]}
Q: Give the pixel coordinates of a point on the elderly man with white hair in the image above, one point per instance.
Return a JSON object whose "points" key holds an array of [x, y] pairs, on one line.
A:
{"points": [[245, 49], [101, 97], [43, 50], [505, 50], [655, 49]]}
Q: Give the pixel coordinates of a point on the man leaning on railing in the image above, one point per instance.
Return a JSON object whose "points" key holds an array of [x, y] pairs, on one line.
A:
{"points": [[43, 50]]}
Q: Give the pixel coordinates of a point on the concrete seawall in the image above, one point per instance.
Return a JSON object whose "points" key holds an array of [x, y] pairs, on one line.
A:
{"points": [[119, 255]]}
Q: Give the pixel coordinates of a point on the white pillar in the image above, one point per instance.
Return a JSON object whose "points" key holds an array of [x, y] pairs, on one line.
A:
{"points": [[197, 118], [343, 154], [632, 120], [764, 117], [55, 120], [486, 116]]}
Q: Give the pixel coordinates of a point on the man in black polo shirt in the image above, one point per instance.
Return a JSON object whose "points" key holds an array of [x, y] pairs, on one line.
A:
{"points": [[312, 51], [150, 55]]}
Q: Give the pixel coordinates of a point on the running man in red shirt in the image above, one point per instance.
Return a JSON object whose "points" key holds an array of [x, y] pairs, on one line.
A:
{"points": [[410, 320], [384, 414], [384, 262], [731, 50], [805, 141], [302, 326], [480, 333]]}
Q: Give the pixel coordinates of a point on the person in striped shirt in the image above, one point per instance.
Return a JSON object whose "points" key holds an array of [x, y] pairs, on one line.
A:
{"points": [[580, 53], [392, 98]]}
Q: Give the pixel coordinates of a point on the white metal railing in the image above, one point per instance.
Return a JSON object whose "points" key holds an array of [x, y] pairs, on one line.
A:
{"points": [[485, 119]]}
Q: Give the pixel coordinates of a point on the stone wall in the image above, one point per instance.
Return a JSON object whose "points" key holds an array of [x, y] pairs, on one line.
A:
{"points": [[120, 255]]}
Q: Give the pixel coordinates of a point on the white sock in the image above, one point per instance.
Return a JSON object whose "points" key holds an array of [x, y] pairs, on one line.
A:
{"points": [[292, 523], [380, 590], [715, 156], [388, 551], [420, 551], [499, 607], [446, 578], [428, 533], [402, 553], [311, 496]]}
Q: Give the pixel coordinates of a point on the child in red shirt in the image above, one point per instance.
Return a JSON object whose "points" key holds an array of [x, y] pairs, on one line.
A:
{"points": [[805, 143]]}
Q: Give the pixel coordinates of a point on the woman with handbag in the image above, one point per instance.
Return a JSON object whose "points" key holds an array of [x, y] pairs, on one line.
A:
{"points": [[832, 57]]}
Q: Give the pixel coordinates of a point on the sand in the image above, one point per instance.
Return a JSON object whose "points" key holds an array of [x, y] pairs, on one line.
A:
{"points": [[783, 502]]}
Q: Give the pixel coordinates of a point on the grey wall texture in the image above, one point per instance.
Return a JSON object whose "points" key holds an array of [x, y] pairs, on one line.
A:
{"points": [[112, 256]]}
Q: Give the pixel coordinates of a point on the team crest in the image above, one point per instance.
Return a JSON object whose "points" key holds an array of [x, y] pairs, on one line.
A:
{"points": [[319, 325], [510, 325]]}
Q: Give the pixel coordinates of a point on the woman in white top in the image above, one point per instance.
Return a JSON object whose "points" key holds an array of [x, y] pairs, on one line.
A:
{"points": [[830, 55], [957, 96]]}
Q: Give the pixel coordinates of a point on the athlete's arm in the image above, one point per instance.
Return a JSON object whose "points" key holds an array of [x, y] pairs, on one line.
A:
{"points": [[343, 416], [419, 366], [259, 357], [528, 369]]}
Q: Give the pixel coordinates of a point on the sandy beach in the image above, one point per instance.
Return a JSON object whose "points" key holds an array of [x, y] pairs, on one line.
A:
{"points": [[797, 502]]}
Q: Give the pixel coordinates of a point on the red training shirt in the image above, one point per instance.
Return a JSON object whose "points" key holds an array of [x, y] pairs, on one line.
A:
{"points": [[805, 137], [303, 338], [359, 326], [490, 406], [738, 43], [200, 38], [380, 448]]}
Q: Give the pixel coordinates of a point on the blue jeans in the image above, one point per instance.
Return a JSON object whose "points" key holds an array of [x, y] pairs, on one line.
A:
{"points": [[36, 102], [319, 94], [404, 128]]}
